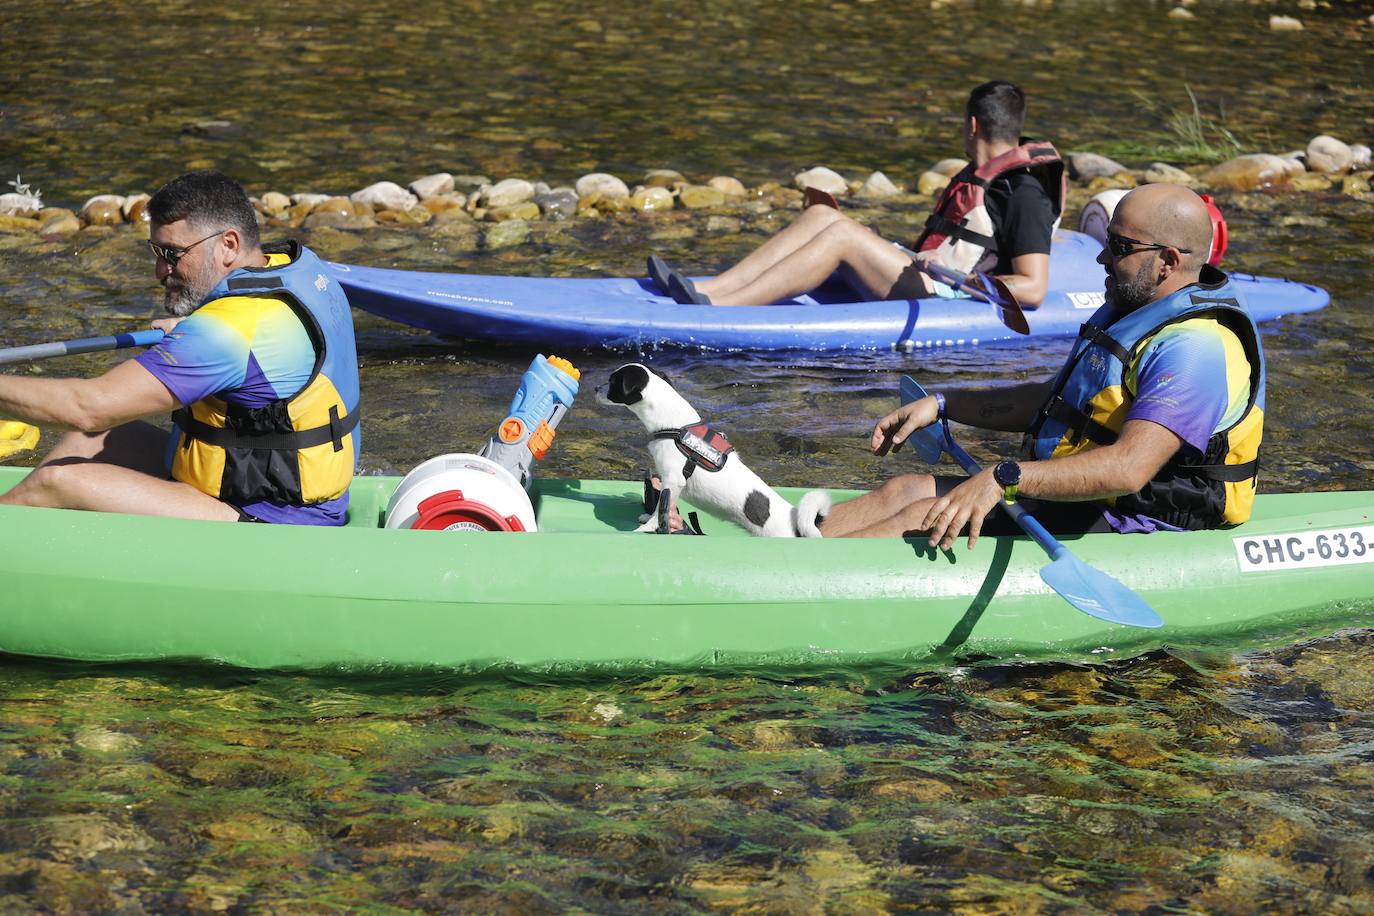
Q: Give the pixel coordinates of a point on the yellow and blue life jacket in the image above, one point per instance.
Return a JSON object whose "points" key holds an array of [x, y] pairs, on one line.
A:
{"points": [[301, 449], [1092, 395]]}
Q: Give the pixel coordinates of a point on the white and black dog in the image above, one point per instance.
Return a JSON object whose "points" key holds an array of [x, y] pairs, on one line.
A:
{"points": [[697, 462]]}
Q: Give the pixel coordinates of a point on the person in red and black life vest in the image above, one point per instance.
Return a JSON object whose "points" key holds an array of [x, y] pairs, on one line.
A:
{"points": [[996, 215], [1154, 422], [258, 369]]}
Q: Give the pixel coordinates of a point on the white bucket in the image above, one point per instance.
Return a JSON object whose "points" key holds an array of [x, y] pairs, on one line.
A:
{"points": [[460, 492], [1097, 214]]}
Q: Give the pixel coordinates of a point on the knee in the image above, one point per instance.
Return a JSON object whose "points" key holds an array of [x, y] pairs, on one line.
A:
{"points": [[906, 489]]}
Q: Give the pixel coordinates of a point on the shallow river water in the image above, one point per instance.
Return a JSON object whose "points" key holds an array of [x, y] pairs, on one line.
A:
{"points": [[1178, 781]]}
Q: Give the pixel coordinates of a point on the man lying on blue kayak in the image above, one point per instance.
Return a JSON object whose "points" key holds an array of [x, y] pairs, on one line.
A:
{"points": [[258, 369], [1154, 422], [996, 215]]}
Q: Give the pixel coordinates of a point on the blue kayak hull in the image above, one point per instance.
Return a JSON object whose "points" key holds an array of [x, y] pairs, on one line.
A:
{"points": [[627, 313]]}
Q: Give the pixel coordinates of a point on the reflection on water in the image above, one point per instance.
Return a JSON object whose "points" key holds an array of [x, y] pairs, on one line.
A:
{"points": [[1174, 781]]}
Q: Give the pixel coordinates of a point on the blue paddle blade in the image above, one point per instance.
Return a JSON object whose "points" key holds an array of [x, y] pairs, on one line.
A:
{"points": [[927, 441], [1097, 594]]}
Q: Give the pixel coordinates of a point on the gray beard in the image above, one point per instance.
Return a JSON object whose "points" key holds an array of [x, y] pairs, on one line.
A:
{"points": [[185, 299], [1135, 292]]}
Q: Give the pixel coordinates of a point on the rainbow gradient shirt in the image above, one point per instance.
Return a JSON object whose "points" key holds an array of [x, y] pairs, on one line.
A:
{"points": [[1192, 378], [248, 350]]}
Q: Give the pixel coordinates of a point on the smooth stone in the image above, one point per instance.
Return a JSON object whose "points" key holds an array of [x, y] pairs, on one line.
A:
{"points": [[608, 186], [18, 223], [62, 224], [138, 211], [525, 210], [1294, 165], [1179, 12], [700, 196], [411, 216], [470, 181], [653, 198], [385, 195], [452, 215], [327, 217], [341, 205], [133, 200], [1164, 173], [1327, 154], [1121, 180], [1284, 24], [275, 202], [435, 185], [822, 179], [559, 203], [103, 210], [1312, 181], [449, 226], [949, 167], [730, 187], [1360, 157], [508, 193], [664, 178], [506, 234], [1355, 184], [931, 182], [541, 187], [1085, 167], [876, 187], [442, 202], [1248, 172]]}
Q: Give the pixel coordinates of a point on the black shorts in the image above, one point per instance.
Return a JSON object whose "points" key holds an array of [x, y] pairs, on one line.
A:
{"points": [[1057, 517]]}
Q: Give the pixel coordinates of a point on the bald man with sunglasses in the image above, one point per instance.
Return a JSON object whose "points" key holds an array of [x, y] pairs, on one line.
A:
{"points": [[1153, 423], [258, 370]]}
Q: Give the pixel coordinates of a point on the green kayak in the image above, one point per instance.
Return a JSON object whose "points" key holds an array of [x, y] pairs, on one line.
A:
{"points": [[586, 595]]}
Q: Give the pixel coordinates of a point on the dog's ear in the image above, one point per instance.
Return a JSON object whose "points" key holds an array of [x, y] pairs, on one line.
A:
{"points": [[627, 384]]}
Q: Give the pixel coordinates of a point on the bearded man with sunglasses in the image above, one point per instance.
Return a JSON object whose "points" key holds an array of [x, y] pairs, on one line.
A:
{"points": [[259, 371], [1154, 422]]}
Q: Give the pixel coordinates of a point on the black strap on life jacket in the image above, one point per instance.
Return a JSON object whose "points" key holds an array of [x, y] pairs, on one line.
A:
{"points": [[333, 431], [1094, 334], [703, 447], [937, 224]]}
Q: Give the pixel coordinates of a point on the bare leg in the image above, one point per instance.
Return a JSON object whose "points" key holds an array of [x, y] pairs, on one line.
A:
{"points": [[116, 471], [870, 263], [878, 511]]}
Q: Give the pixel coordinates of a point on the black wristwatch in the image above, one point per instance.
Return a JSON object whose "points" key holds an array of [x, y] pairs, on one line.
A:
{"points": [[1008, 477]]}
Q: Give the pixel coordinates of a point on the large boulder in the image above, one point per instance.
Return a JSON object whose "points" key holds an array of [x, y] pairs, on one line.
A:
{"points": [[1085, 167], [385, 195], [608, 186], [1248, 172]]}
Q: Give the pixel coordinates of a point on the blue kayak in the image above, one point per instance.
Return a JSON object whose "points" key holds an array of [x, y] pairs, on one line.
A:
{"points": [[614, 313]]}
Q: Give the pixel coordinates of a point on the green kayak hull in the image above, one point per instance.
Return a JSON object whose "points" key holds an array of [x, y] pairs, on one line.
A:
{"points": [[587, 595]]}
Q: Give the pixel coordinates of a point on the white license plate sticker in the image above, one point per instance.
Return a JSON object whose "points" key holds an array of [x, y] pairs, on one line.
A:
{"points": [[1087, 300], [1304, 549]]}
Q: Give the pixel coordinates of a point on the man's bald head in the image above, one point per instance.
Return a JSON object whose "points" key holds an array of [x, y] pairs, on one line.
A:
{"points": [[1168, 214]]}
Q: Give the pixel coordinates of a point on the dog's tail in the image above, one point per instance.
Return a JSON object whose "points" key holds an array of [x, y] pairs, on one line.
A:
{"points": [[810, 512]]}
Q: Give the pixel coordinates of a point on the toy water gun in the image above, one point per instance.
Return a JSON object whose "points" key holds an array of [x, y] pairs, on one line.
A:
{"points": [[546, 392]]}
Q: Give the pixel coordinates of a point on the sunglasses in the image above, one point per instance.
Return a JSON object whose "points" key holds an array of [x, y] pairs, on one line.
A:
{"points": [[171, 254], [1123, 246]]}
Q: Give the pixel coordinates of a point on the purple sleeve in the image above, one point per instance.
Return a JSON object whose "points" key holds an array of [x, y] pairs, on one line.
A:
{"points": [[1181, 385], [202, 356]]}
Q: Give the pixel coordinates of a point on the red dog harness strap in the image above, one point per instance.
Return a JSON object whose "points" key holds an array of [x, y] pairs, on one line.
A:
{"points": [[704, 447]]}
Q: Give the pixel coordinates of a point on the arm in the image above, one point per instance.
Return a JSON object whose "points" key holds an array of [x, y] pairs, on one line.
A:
{"points": [[127, 392], [1006, 409], [1100, 473], [1029, 280]]}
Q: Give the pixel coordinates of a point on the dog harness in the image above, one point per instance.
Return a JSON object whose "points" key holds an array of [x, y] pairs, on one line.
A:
{"points": [[703, 447]]}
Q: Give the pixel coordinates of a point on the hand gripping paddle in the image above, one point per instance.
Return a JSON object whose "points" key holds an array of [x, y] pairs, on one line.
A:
{"points": [[1085, 587]]}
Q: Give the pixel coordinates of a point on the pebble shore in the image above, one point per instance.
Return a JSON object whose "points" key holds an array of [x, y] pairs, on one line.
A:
{"points": [[459, 203]]}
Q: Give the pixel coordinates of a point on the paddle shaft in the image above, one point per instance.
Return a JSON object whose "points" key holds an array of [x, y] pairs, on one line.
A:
{"points": [[85, 345]]}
